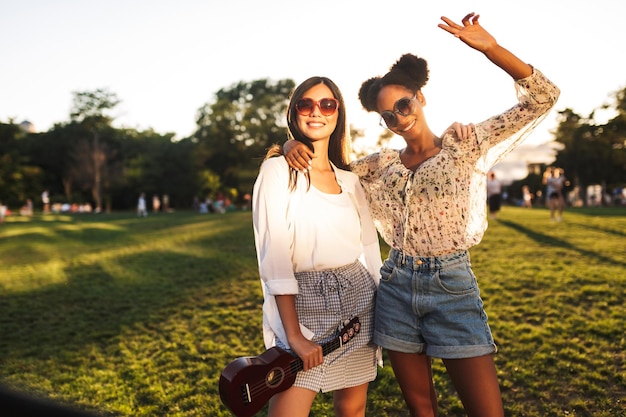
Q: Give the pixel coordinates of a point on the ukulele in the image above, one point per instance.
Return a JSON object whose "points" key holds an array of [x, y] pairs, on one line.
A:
{"points": [[248, 383]]}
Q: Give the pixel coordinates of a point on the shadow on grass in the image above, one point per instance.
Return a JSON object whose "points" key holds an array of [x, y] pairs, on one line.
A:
{"points": [[600, 211], [37, 239], [552, 241], [619, 233], [100, 297], [93, 305]]}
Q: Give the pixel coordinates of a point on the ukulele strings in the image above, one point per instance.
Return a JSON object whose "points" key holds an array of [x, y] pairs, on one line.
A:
{"points": [[260, 387], [294, 367]]}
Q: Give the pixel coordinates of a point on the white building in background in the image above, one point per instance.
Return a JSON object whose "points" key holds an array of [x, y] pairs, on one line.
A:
{"points": [[27, 127]]}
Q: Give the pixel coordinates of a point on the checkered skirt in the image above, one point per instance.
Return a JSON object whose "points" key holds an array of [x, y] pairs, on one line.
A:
{"points": [[326, 300]]}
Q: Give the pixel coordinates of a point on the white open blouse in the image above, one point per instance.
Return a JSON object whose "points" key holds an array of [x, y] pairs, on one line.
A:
{"points": [[307, 230]]}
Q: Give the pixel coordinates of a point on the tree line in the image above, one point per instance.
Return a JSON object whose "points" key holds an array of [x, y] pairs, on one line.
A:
{"points": [[86, 159]]}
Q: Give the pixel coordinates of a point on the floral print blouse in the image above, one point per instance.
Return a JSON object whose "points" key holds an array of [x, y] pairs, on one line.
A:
{"points": [[441, 206]]}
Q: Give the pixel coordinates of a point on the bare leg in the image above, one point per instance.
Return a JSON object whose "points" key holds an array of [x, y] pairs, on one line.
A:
{"points": [[560, 208], [414, 374], [552, 207], [350, 402], [294, 402], [476, 382]]}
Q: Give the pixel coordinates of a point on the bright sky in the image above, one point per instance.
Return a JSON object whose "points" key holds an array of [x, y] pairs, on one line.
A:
{"points": [[165, 59]]}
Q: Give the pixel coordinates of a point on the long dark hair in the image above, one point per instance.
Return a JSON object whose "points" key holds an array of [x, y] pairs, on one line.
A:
{"points": [[339, 144]]}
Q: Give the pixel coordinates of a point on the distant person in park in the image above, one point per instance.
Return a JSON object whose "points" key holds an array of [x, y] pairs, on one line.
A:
{"points": [[27, 208], [166, 203], [45, 199], [548, 188], [429, 203], [527, 197], [3, 212], [156, 203], [142, 210], [494, 194], [318, 256], [555, 182]]}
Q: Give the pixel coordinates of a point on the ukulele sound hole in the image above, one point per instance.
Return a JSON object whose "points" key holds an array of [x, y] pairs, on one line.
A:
{"points": [[274, 377]]}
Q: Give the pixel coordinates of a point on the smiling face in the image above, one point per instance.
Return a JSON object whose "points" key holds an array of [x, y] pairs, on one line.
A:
{"points": [[316, 126], [387, 102]]}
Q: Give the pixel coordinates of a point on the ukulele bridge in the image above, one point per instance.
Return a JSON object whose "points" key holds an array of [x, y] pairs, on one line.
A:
{"points": [[273, 379], [245, 391]]}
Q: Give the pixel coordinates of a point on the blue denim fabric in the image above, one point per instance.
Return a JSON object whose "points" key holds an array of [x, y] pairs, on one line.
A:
{"points": [[431, 305]]}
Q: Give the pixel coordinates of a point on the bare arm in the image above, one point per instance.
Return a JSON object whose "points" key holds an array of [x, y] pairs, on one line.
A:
{"points": [[474, 35], [310, 352], [298, 156]]}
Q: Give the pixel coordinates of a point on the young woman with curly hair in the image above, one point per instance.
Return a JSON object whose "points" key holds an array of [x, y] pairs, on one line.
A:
{"points": [[428, 201]]}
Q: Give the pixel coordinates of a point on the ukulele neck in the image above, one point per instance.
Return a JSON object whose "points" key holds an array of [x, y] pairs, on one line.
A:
{"points": [[297, 365]]}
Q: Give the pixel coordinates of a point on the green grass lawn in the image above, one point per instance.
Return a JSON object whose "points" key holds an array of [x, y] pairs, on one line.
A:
{"points": [[138, 316]]}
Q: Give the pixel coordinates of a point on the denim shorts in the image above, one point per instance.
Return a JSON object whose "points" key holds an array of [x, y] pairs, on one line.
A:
{"points": [[431, 305]]}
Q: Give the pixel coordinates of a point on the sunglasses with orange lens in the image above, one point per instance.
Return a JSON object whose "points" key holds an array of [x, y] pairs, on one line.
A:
{"points": [[327, 106]]}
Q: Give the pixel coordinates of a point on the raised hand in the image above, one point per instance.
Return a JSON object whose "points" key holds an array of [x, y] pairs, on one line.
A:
{"points": [[470, 32], [474, 35]]}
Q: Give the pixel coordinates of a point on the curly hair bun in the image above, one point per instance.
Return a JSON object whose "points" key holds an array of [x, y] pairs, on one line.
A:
{"points": [[409, 71], [411, 67], [367, 93]]}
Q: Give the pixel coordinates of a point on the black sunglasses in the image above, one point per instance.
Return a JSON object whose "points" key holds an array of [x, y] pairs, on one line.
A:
{"points": [[403, 107], [327, 106]]}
